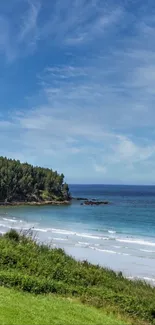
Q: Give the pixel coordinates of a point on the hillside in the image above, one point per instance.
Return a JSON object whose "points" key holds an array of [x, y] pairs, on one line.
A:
{"points": [[23, 308], [38, 269], [22, 182]]}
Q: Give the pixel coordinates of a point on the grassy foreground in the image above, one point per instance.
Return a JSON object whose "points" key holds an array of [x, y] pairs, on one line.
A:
{"points": [[38, 269], [18, 308]]}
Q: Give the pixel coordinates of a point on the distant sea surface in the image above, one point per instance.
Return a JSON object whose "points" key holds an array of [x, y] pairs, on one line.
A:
{"points": [[120, 235]]}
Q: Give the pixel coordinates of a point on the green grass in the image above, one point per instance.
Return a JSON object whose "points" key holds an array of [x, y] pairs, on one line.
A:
{"points": [[38, 269], [18, 308]]}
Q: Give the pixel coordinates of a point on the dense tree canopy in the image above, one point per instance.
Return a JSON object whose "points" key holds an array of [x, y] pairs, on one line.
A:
{"points": [[23, 182]]}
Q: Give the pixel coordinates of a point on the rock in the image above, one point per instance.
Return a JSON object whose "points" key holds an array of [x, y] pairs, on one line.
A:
{"points": [[80, 198], [92, 202]]}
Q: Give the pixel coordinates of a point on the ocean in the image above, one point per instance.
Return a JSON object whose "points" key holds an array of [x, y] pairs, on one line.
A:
{"points": [[120, 236]]}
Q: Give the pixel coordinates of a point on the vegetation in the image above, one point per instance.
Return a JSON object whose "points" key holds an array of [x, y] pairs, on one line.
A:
{"points": [[24, 308], [23, 182], [39, 269]]}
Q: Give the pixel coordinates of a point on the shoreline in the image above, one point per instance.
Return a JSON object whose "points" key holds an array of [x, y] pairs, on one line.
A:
{"points": [[83, 201], [119, 263], [80, 232], [34, 203], [81, 254]]}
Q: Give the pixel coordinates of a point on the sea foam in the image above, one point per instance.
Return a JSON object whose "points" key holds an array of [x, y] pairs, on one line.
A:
{"points": [[136, 241]]}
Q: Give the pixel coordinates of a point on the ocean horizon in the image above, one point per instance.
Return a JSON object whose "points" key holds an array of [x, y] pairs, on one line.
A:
{"points": [[120, 236]]}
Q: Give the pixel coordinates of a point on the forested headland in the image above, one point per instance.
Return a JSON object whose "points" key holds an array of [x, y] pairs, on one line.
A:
{"points": [[22, 182]]}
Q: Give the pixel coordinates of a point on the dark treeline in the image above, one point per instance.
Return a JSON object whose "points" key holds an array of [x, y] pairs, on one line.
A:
{"points": [[23, 182]]}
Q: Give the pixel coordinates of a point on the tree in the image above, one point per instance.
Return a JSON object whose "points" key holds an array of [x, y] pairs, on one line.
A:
{"points": [[23, 182]]}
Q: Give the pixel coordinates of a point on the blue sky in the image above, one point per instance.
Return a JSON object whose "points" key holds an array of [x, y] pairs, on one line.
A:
{"points": [[77, 87]]}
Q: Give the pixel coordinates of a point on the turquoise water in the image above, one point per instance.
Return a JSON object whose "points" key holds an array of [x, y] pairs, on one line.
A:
{"points": [[120, 235]]}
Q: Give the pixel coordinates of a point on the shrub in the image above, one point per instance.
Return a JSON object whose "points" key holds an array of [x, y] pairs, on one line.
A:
{"points": [[12, 235], [39, 269]]}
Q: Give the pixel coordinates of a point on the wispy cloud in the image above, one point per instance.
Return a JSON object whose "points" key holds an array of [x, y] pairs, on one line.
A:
{"points": [[28, 28], [63, 129], [5, 44], [88, 31], [57, 23], [92, 111], [19, 30]]}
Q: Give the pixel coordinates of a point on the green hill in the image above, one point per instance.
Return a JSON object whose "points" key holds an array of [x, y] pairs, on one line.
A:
{"points": [[18, 308], [38, 269], [25, 183]]}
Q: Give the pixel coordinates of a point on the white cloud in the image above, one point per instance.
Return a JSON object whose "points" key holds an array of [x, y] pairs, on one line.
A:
{"points": [[67, 23], [95, 113], [5, 44], [100, 168], [29, 22], [126, 150], [18, 31], [54, 134], [96, 28], [85, 118]]}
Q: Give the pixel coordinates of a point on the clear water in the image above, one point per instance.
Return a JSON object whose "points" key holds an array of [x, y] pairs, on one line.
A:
{"points": [[120, 235]]}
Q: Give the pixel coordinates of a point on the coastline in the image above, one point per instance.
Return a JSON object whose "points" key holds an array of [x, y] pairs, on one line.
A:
{"points": [[115, 235], [34, 203], [83, 201], [54, 202]]}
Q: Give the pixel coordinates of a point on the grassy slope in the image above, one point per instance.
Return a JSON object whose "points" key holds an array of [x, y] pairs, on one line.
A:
{"points": [[18, 308], [38, 269]]}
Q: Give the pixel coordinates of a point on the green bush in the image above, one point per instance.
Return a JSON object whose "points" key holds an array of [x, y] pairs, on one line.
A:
{"points": [[39, 269], [12, 235]]}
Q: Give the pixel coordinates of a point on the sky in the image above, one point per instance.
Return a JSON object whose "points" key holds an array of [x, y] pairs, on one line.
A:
{"points": [[77, 87]]}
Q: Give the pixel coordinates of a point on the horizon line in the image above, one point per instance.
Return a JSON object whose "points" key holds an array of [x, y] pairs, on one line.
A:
{"points": [[92, 184]]}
